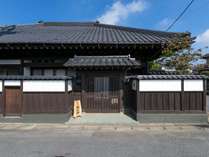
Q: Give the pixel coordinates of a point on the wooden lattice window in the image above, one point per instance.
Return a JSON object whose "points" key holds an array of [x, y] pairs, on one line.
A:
{"points": [[101, 86]]}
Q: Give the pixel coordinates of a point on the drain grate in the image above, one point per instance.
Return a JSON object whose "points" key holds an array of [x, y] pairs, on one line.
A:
{"points": [[64, 155]]}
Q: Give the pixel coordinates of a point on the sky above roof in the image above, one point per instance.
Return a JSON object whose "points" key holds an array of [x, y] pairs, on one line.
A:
{"points": [[149, 14]]}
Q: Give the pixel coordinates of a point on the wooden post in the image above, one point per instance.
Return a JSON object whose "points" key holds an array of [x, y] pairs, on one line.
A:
{"points": [[139, 107], [121, 93], [21, 67], [21, 105], [4, 99], [182, 95], [82, 91], [204, 95], [67, 98]]}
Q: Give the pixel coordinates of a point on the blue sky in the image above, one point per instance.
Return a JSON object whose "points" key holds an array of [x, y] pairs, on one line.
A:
{"points": [[150, 14]]}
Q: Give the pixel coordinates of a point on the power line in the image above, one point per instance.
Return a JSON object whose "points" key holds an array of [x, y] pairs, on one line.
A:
{"points": [[180, 15]]}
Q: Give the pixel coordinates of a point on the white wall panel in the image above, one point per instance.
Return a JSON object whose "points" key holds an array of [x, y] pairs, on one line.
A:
{"points": [[69, 86], [193, 85], [10, 61], [1, 86], [27, 71], [159, 85], [12, 83], [44, 86]]}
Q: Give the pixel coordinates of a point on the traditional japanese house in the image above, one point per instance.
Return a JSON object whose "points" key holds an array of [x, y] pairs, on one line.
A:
{"points": [[44, 67]]}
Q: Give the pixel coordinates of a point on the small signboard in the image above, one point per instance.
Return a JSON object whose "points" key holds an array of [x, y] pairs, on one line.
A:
{"points": [[77, 109]]}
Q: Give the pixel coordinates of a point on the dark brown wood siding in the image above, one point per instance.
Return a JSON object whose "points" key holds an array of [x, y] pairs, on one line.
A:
{"points": [[193, 101], [1, 103], [46, 103], [170, 102], [160, 102]]}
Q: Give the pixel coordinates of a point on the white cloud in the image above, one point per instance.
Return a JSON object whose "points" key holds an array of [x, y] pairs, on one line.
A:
{"points": [[203, 39], [164, 23], [119, 11]]}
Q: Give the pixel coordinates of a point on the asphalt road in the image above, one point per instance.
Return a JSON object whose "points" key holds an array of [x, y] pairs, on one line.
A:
{"points": [[100, 143]]}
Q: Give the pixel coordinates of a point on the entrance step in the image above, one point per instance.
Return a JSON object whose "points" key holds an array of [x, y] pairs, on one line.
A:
{"points": [[103, 118]]}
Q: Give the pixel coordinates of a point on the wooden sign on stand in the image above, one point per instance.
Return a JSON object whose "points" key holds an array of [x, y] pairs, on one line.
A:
{"points": [[77, 109]]}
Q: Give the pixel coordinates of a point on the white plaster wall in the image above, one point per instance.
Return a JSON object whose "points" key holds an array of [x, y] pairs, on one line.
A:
{"points": [[12, 83], [10, 61], [44, 86], [27, 71], [159, 85], [193, 85], [1, 84]]}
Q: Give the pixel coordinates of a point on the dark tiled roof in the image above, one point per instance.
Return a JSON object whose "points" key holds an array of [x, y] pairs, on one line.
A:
{"points": [[161, 72], [165, 77], [102, 61], [206, 56], [21, 77], [83, 33]]}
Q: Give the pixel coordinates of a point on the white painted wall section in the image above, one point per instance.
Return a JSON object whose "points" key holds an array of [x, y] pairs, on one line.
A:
{"points": [[159, 85], [1, 84], [193, 85], [10, 61], [26, 71], [12, 83], [44, 86]]}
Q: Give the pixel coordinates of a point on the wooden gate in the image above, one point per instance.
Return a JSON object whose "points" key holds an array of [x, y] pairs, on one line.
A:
{"points": [[12, 101], [101, 94]]}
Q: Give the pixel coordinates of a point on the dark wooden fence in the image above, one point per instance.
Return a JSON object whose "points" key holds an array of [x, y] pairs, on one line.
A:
{"points": [[1, 103], [162, 102], [170, 102], [45, 103], [158, 101]]}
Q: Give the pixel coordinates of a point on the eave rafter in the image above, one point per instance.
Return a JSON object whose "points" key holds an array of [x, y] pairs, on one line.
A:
{"points": [[43, 46]]}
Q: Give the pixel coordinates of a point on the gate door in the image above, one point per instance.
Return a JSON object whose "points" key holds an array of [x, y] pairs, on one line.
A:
{"points": [[12, 101], [102, 94]]}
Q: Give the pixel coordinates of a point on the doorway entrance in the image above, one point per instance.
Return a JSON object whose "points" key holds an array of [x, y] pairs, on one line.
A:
{"points": [[102, 93], [12, 101]]}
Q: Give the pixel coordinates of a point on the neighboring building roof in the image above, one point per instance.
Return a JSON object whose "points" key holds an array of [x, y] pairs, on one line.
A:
{"points": [[83, 33], [21, 77], [102, 61], [206, 56], [166, 77], [162, 72]]}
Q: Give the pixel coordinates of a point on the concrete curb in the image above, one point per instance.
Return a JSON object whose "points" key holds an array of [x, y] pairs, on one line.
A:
{"points": [[117, 127]]}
